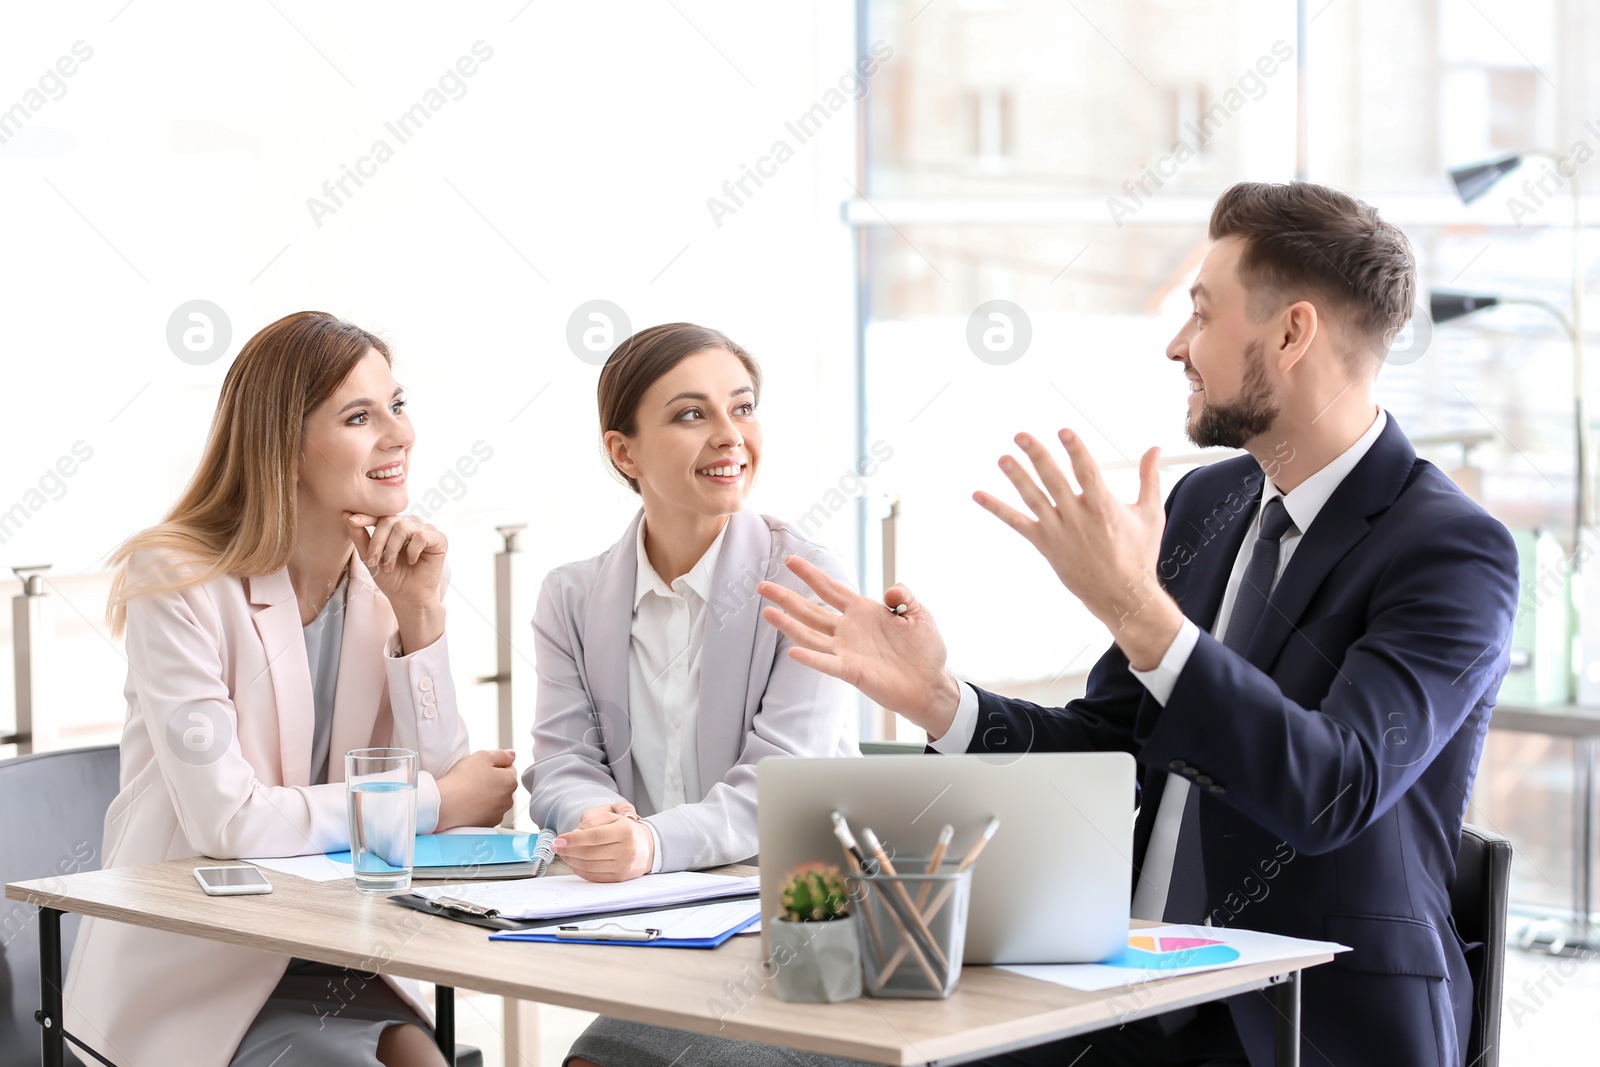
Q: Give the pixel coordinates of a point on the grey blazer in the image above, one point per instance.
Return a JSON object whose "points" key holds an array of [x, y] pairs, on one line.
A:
{"points": [[755, 701]]}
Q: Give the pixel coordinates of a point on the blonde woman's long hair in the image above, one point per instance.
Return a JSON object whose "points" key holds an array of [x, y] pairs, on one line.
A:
{"points": [[237, 516]]}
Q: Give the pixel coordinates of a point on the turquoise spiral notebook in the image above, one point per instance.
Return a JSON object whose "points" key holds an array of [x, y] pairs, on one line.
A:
{"points": [[464, 856]]}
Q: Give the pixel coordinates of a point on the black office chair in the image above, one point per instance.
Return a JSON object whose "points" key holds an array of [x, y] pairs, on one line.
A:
{"points": [[52, 818], [1478, 901]]}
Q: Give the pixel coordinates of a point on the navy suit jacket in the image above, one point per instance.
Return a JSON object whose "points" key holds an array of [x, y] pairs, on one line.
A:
{"points": [[1335, 757]]}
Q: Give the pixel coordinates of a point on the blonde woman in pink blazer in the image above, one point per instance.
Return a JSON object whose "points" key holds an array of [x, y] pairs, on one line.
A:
{"points": [[284, 612]]}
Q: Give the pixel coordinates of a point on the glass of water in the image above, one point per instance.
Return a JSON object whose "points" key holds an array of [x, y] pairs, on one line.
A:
{"points": [[381, 787]]}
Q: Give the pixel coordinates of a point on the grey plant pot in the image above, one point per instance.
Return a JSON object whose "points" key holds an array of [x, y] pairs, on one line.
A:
{"points": [[816, 962]]}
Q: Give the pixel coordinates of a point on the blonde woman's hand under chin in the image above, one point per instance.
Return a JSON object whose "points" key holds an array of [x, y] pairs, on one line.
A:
{"points": [[406, 558]]}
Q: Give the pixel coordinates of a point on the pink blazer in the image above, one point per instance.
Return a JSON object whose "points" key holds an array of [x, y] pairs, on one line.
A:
{"points": [[216, 755]]}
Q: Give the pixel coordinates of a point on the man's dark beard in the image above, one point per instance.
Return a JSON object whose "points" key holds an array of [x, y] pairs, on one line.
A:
{"points": [[1232, 425]]}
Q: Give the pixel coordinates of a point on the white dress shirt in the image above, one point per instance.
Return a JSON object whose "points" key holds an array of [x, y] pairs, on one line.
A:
{"points": [[1303, 504], [669, 625]]}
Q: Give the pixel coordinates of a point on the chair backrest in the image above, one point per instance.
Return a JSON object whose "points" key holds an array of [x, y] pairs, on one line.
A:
{"points": [[52, 819], [1478, 902]]}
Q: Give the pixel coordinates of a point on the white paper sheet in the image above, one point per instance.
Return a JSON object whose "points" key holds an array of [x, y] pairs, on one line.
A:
{"points": [[701, 921], [1177, 950], [554, 896], [311, 868]]}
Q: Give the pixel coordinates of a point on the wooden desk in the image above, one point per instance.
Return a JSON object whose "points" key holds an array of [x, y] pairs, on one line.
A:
{"points": [[720, 992]]}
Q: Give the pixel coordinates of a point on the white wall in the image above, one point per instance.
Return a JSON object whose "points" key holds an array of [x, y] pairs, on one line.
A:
{"points": [[177, 164]]}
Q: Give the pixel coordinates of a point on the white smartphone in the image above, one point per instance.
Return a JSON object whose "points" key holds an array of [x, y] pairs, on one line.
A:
{"points": [[232, 881]]}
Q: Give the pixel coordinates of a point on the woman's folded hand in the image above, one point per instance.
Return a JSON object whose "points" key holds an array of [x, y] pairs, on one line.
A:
{"points": [[611, 844], [477, 791]]}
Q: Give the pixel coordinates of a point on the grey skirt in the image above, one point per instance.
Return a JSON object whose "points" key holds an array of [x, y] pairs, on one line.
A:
{"points": [[323, 1015], [616, 1043]]}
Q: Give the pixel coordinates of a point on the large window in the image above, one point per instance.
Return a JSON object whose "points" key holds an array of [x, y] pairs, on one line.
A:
{"points": [[1063, 158]]}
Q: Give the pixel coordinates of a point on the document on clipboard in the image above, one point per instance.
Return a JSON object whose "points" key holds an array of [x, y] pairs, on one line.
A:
{"points": [[694, 926], [520, 902]]}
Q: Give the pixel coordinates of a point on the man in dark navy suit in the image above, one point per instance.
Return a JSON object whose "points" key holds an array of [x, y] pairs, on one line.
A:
{"points": [[1308, 643]]}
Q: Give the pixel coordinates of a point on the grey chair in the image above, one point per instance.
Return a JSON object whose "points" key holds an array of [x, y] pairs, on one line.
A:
{"points": [[52, 818], [52, 814], [1478, 902]]}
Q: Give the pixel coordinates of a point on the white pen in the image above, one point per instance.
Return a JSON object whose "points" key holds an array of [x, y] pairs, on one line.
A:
{"points": [[841, 830], [977, 846], [578, 933]]}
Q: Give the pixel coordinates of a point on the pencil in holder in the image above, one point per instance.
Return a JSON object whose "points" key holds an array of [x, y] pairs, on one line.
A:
{"points": [[918, 928]]}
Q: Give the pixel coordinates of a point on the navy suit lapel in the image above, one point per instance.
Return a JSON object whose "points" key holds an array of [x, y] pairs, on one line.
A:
{"points": [[1203, 543], [1341, 524], [1197, 552]]}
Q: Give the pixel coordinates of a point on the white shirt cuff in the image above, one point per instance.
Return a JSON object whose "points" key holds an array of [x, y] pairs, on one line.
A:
{"points": [[655, 835], [958, 738], [1164, 676], [427, 803]]}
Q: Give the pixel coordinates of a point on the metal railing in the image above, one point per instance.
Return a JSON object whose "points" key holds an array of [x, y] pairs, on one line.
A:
{"points": [[33, 630]]}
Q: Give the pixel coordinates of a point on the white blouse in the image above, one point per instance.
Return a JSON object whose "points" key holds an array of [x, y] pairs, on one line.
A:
{"points": [[668, 635]]}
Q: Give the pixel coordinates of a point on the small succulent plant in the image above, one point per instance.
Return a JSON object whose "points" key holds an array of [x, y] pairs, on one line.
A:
{"points": [[815, 892]]}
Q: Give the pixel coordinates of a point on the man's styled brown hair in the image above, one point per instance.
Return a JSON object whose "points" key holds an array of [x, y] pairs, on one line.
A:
{"points": [[1308, 242]]}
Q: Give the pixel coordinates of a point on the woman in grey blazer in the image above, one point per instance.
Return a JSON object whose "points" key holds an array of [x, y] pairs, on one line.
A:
{"points": [[660, 685]]}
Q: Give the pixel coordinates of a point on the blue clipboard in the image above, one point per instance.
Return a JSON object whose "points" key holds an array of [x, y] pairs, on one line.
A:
{"points": [[654, 942]]}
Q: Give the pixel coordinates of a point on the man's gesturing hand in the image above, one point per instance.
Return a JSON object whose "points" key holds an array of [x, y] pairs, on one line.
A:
{"points": [[897, 660], [1104, 551]]}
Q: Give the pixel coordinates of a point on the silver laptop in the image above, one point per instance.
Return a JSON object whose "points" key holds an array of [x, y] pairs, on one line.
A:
{"points": [[1053, 886]]}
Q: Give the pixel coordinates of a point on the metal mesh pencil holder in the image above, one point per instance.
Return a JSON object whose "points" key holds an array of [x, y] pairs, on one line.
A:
{"points": [[915, 931]]}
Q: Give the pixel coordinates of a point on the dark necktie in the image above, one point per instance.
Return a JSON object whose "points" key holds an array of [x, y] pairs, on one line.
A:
{"points": [[1186, 891]]}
